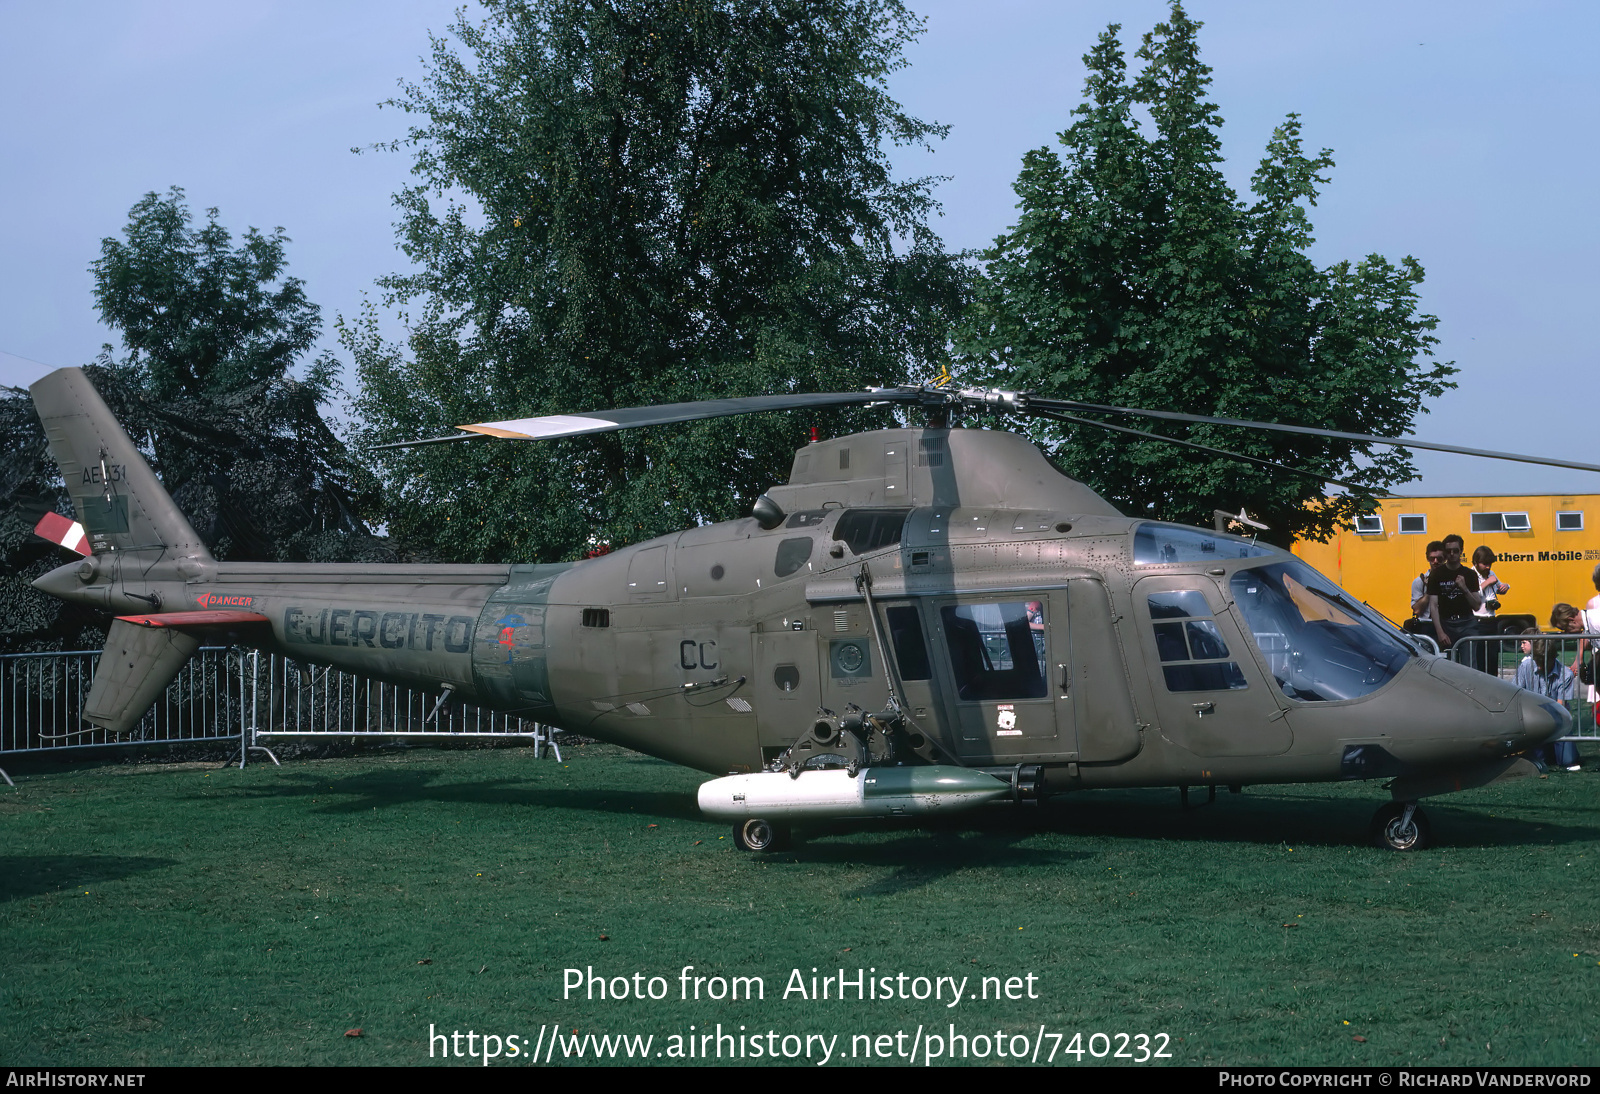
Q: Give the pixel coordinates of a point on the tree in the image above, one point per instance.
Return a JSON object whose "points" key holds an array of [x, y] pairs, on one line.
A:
{"points": [[1134, 276], [652, 202], [211, 332], [199, 317], [30, 487]]}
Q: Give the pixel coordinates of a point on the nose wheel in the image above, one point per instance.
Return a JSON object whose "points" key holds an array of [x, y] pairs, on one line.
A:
{"points": [[1401, 826], [759, 834]]}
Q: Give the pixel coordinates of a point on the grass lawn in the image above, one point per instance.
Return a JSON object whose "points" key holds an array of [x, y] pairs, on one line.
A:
{"points": [[192, 913]]}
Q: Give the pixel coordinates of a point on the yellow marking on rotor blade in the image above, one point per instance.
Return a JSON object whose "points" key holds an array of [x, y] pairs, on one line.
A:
{"points": [[548, 425], [495, 431]]}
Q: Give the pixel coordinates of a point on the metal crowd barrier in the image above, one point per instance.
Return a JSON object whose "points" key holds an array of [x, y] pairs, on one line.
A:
{"points": [[289, 699], [1502, 655], [42, 694], [231, 694]]}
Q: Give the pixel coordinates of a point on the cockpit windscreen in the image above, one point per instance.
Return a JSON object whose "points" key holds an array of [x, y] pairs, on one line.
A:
{"points": [[1320, 644]]}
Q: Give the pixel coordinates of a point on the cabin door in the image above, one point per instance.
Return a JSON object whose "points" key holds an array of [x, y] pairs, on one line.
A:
{"points": [[995, 656]]}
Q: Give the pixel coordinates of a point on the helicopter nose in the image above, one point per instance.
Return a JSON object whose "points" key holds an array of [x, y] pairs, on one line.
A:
{"points": [[1543, 719]]}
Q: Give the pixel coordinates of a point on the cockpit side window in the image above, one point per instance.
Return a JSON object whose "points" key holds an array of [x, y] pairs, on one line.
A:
{"points": [[1193, 655]]}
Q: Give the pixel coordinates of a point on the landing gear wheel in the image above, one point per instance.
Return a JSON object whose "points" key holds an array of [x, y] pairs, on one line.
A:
{"points": [[1393, 828], [759, 834]]}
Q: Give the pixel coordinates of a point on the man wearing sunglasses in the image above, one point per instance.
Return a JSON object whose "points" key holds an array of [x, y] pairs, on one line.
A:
{"points": [[1421, 622], [1453, 598]]}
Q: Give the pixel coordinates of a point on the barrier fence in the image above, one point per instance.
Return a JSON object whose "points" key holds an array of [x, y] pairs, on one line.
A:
{"points": [[1546, 666], [230, 694], [42, 695]]}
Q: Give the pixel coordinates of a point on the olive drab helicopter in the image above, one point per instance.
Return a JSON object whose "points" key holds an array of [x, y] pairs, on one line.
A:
{"points": [[920, 620]]}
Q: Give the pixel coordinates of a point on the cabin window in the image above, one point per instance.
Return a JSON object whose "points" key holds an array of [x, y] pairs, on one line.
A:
{"points": [[1413, 524], [1369, 526], [1569, 521], [1192, 651], [910, 651], [997, 650], [792, 554], [867, 530]]}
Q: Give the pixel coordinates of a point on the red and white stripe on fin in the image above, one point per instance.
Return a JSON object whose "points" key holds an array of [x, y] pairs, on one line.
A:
{"points": [[68, 533]]}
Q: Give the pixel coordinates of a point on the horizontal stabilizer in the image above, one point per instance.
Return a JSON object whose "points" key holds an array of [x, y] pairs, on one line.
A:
{"points": [[215, 618], [136, 667]]}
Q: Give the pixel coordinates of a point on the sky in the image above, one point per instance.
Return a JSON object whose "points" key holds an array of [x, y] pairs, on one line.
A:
{"points": [[1463, 135]]}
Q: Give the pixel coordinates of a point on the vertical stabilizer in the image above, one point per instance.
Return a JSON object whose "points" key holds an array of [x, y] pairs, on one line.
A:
{"points": [[121, 504]]}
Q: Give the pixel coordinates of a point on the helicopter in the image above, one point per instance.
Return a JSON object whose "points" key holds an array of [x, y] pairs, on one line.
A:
{"points": [[921, 620]]}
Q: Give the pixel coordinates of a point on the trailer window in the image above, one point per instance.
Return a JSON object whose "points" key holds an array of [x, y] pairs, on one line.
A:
{"points": [[1569, 522], [1501, 522]]}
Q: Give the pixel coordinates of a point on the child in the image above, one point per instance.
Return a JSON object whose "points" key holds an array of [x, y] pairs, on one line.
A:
{"points": [[1542, 673]]}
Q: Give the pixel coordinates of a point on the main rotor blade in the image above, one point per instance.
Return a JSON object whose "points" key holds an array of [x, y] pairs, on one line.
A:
{"points": [[1310, 431], [608, 421], [1063, 417]]}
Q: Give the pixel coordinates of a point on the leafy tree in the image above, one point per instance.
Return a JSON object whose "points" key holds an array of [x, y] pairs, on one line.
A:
{"points": [[1134, 276], [211, 331], [30, 487], [199, 317], [650, 202]]}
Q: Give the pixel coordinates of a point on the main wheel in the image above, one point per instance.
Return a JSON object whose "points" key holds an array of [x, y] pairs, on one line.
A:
{"points": [[760, 834], [1391, 829]]}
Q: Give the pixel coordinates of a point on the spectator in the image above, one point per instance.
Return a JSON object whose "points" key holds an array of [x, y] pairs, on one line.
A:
{"points": [[1593, 614], [1452, 598], [1490, 585], [1542, 672], [1421, 622], [1566, 618]]}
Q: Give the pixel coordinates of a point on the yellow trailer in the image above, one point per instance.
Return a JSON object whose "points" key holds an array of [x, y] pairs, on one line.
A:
{"points": [[1546, 550]]}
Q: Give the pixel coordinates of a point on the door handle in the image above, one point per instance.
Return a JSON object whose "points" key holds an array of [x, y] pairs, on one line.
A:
{"points": [[1064, 674], [1202, 709]]}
